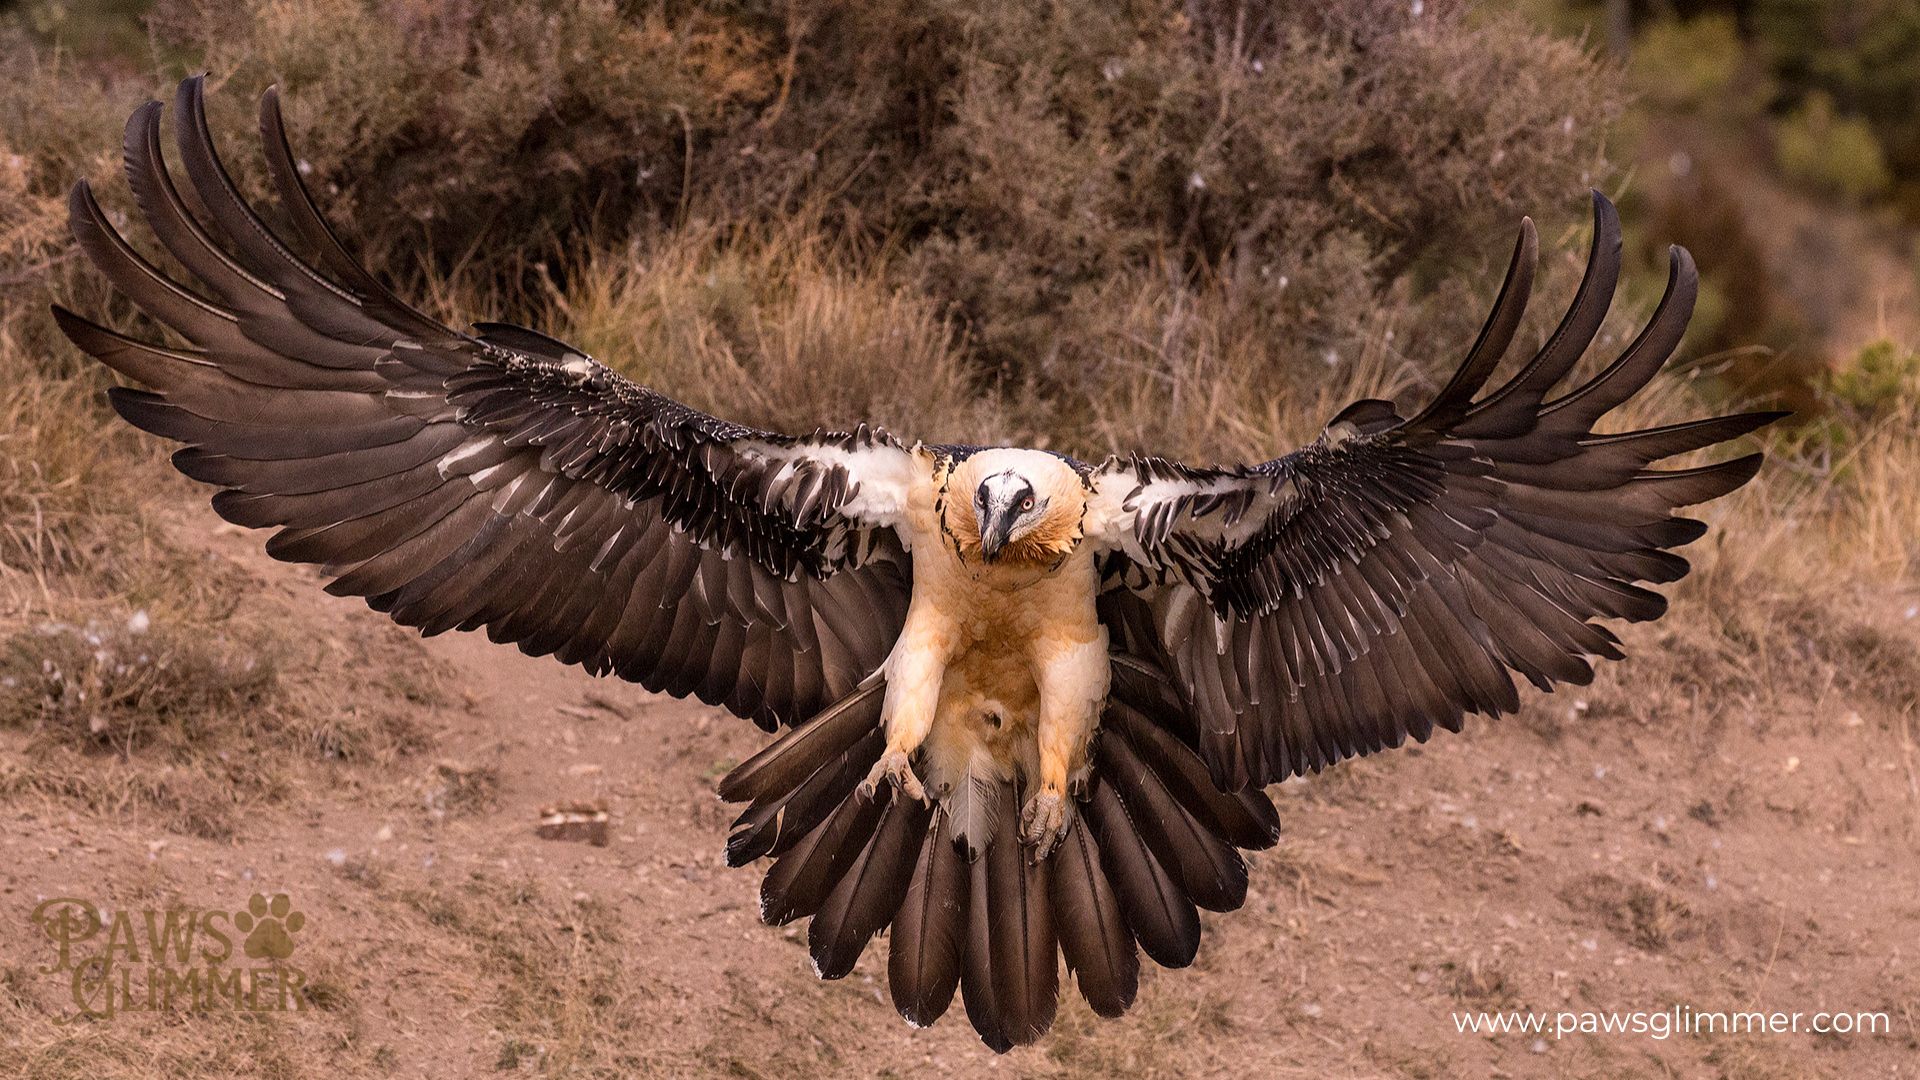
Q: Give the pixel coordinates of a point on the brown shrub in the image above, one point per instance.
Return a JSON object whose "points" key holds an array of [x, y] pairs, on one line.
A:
{"points": [[1027, 164], [1300, 158], [128, 686], [188, 716], [456, 790], [771, 329], [1647, 915]]}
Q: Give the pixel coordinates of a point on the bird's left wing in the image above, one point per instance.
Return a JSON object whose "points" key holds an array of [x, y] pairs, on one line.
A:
{"points": [[1390, 576], [499, 479]]}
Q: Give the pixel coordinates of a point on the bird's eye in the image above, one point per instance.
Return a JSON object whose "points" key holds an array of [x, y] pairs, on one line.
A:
{"points": [[1026, 504]]}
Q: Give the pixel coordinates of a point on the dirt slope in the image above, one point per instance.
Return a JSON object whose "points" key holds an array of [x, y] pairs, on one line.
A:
{"points": [[1660, 839]]}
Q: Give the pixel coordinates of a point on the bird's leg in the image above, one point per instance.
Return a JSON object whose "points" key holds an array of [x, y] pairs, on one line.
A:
{"points": [[1072, 677], [913, 698]]}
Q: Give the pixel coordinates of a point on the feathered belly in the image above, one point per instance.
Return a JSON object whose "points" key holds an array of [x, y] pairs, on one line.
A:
{"points": [[986, 719]]}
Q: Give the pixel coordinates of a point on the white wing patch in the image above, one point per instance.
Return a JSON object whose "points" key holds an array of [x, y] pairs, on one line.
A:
{"points": [[1129, 514], [881, 476]]}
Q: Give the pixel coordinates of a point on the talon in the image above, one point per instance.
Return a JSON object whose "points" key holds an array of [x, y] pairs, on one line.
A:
{"points": [[894, 768], [1043, 822]]}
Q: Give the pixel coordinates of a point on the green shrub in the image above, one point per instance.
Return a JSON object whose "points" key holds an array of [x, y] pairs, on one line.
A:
{"points": [[1692, 65], [1830, 153], [1861, 55], [1879, 379]]}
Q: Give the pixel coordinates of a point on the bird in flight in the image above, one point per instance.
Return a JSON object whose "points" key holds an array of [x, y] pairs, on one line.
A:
{"points": [[1027, 704]]}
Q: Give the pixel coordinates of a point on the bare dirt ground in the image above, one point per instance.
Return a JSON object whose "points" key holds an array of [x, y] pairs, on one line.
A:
{"points": [[1656, 840]]}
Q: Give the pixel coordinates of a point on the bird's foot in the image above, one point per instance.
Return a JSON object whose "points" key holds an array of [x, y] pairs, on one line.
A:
{"points": [[894, 767], [1044, 821]]}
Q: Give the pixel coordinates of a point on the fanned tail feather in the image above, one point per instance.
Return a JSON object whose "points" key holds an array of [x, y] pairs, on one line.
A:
{"points": [[1151, 843], [774, 825], [1010, 981], [929, 930], [787, 761], [1094, 936], [872, 890]]}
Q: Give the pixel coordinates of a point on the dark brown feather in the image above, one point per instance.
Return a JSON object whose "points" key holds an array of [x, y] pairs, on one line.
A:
{"points": [[1245, 819], [800, 880], [925, 951], [979, 990], [1160, 916], [1496, 334], [1210, 872], [1012, 972], [781, 765], [873, 888], [1523, 393], [774, 825], [1094, 938]]}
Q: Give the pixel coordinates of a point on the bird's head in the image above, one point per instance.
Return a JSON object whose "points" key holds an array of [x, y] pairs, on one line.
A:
{"points": [[1013, 507], [1007, 507]]}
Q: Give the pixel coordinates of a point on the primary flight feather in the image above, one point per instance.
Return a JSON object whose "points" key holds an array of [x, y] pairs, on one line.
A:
{"points": [[1030, 702]]}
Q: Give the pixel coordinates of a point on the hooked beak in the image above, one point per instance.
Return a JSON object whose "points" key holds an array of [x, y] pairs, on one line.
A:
{"points": [[998, 504], [995, 526]]}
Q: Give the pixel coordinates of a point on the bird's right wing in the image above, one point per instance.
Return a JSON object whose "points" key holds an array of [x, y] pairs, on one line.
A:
{"points": [[500, 479]]}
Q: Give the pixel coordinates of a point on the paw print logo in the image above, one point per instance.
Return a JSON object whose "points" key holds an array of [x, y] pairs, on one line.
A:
{"points": [[269, 927]]}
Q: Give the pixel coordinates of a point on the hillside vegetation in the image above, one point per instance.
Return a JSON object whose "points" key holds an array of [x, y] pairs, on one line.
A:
{"points": [[1197, 227]]}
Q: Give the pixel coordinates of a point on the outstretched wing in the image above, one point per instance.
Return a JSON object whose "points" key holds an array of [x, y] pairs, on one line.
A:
{"points": [[1391, 576], [501, 479]]}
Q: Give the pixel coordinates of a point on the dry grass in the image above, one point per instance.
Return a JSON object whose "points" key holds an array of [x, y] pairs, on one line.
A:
{"points": [[64, 491], [127, 687], [457, 790], [187, 721], [553, 965], [1642, 912], [790, 330], [209, 1048], [777, 330]]}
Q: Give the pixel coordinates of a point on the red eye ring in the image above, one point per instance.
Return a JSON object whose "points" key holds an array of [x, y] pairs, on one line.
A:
{"points": [[1026, 503]]}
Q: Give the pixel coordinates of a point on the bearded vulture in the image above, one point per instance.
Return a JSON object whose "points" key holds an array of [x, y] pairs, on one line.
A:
{"points": [[1028, 704]]}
